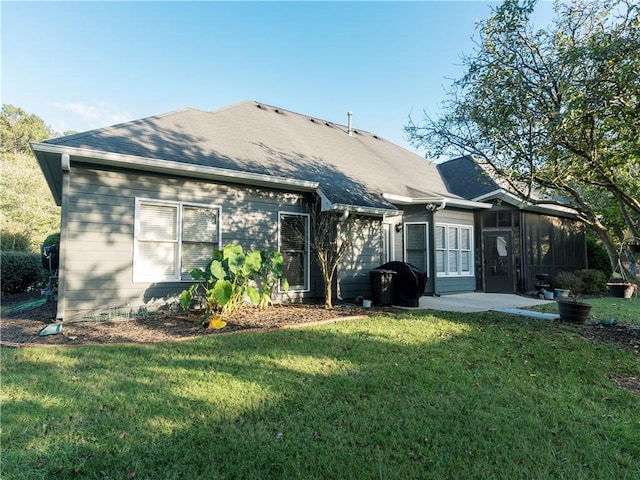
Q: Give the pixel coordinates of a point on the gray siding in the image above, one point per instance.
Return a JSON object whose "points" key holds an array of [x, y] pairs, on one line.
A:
{"points": [[456, 284], [99, 235], [364, 255]]}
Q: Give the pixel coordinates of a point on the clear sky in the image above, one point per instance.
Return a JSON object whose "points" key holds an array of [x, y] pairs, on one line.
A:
{"points": [[85, 65]]}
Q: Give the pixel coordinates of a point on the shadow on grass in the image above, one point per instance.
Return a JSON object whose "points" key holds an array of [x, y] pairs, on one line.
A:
{"points": [[410, 396]]}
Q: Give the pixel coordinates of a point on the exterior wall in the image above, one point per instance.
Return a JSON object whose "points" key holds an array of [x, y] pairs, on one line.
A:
{"points": [[456, 284], [364, 255], [99, 237], [438, 283]]}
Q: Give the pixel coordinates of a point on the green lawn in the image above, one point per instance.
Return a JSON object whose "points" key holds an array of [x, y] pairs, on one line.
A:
{"points": [[625, 311], [411, 396]]}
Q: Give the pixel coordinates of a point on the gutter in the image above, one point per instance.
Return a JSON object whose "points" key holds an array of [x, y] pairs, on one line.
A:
{"points": [[440, 202], [168, 166], [97, 157]]}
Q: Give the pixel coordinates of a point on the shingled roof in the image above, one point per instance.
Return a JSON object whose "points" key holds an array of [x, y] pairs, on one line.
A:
{"points": [[355, 169]]}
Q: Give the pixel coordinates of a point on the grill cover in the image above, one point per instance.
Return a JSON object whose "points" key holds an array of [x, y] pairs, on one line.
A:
{"points": [[408, 283]]}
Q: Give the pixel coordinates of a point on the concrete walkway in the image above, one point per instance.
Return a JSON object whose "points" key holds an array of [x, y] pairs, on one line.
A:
{"points": [[484, 302]]}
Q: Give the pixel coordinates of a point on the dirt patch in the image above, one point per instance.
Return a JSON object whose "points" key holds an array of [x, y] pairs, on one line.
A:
{"points": [[623, 336]]}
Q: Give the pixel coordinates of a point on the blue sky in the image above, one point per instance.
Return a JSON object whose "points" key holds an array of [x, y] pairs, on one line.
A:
{"points": [[85, 65]]}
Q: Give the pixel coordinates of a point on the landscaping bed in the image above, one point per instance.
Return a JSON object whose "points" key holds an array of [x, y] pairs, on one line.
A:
{"points": [[20, 327]]}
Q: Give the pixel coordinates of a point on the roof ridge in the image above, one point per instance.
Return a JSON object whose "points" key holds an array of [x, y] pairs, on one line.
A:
{"points": [[310, 117]]}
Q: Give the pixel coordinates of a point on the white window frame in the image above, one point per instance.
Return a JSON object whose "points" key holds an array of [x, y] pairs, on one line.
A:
{"points": [[388, 243], [142, 276], [447, 250], [426, 234], [307, 256]]}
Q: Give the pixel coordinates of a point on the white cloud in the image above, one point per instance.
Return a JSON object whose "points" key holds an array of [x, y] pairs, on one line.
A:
{"points": [[94, 114]]}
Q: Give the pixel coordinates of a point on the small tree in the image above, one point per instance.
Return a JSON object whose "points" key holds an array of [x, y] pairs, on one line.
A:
{"points": [[331, 239]]}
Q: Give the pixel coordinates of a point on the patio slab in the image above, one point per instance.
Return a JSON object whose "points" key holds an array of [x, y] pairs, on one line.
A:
{"points": [[479, 302]]}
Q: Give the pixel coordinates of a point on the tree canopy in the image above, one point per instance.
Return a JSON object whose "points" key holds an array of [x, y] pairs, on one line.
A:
{"points": [[28, 212], [553, 112], [18, 128]]}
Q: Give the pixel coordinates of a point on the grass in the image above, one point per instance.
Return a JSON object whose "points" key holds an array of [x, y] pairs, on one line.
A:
{"points": [[625, 311], [416, 395]]}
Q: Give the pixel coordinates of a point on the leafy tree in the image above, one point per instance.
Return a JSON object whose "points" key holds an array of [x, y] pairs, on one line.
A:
{"points": [[18, 128], [553, 112], [28, 213]]}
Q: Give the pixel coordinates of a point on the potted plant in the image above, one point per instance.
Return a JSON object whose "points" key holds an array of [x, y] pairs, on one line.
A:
{"points": [[619, 287], [571, 310]]}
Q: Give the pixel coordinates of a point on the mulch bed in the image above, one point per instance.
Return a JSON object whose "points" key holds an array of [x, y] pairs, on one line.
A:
{"points": [[22, 327]]}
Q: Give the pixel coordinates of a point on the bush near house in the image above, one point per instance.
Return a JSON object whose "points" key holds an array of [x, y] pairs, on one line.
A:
{"points": [[593, 281], [21, 272], [582, 282]]}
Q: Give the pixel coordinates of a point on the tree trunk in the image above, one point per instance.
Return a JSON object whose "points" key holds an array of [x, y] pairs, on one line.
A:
{"points": [[328, 295]]}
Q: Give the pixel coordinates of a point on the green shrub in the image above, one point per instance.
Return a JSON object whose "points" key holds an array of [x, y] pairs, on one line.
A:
{"points": [[569, 281], [234, 277], [53, 239], [14, 240], [21, 272], [593, 281], [597, 257]]}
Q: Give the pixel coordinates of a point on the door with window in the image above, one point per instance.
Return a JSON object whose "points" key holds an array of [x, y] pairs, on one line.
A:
{"points": [[498, 262]]}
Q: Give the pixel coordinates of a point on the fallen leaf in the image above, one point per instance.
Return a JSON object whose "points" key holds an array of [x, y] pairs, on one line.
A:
{"points": [[216, 323]]}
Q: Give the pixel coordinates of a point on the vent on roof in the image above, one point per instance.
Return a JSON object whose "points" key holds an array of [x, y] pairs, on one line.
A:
{"points": [[376, 137], [278, 111], [328, 124], [259, 106], [312, 120]]}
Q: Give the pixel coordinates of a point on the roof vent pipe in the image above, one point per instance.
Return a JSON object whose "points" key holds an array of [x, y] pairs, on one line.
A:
{"points": [[349, 114]]}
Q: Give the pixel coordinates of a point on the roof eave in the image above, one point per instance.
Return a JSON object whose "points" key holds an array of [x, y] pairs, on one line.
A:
{"points": [[441, 200], [371, 211], [512, 199], [170, 167]]}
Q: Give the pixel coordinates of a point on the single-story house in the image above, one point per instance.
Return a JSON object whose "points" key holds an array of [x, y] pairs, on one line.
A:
{"points": [[145, 201]]}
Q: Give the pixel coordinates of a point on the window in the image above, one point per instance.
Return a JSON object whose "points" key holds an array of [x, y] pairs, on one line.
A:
{"points": [[172, 238], [416, 245], [453, 250], [293, 243]]}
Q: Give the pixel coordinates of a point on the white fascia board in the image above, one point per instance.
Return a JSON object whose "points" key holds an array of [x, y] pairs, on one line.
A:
{"points": [[449, 201], [551, 208], [502, 195], [372, 211], [524, 205], [182, 169]]}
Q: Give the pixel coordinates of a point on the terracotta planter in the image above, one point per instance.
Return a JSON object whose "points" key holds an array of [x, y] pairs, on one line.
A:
{"points": [[621, 290], [575, 312]]}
